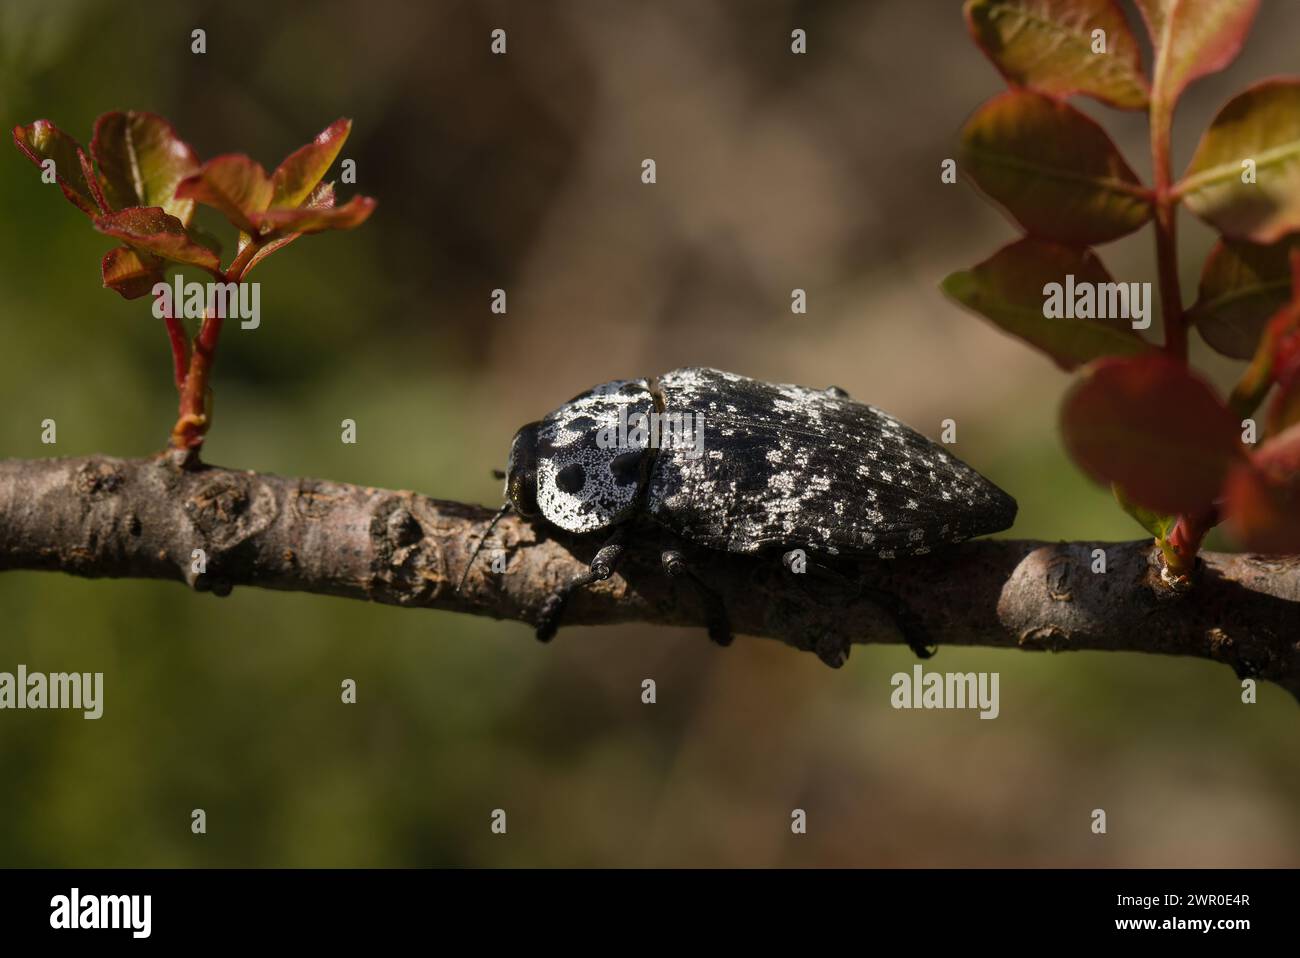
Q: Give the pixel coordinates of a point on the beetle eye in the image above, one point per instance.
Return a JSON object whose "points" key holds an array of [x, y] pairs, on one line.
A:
{"points": [[521, 490], [571, 479]]}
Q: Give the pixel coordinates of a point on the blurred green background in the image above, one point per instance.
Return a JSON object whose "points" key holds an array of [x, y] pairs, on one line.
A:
{"points": [[774, 172]]}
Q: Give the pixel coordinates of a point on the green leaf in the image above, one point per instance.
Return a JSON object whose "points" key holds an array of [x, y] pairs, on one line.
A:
{"points": [[1047, 45], [1009, 290], [1242, 285], [1262, 497], [295, 178], [141, 161], [1054, 170], [131, 272], [153, 230], [233, 184], [1192, 38], [42, 141], [1150, 426], [1153, 522], [1262, 124]]}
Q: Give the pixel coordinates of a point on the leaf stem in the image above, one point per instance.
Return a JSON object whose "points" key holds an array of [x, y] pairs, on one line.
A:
{"points": [[1184, 541], [180, 350], [1171, 297], [192, 424], [239, 265], [1180, 547], [195, 410]]}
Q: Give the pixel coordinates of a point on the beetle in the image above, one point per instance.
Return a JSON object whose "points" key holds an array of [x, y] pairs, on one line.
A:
{"points": [[741, 466]]}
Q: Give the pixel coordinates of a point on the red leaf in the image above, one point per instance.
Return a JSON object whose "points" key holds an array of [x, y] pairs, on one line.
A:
{"points": [[131, 272], [1242, 286], [42, 141], [1262, 125], [265, 250], [1283, 334], [1010, 288], [295, 178], [153, 230], [141, 160], [321, 198], [1152, 427], [1048, 46], [1053, 169], [233, 184], [307, 220], [1282, 349], [92, 180], [1279, 458], [1262, 496], [316, 214], [1194, 38], [1284, 411]]}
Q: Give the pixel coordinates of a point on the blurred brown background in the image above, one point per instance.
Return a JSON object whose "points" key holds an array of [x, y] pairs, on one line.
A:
{"points": [[775, 171]]}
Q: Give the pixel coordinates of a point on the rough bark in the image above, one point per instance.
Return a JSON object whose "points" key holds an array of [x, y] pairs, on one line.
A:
{"points": [[101, 516]]}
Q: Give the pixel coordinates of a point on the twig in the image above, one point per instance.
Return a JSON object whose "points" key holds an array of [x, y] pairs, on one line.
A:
{"points": [[145, 518]]}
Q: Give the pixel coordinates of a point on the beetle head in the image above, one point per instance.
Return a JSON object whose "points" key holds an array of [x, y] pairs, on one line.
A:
{"points": [[521, 471], [576, 468]]}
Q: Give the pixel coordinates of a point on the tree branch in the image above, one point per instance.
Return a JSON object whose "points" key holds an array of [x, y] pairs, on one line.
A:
{"points": [[144, 518]]}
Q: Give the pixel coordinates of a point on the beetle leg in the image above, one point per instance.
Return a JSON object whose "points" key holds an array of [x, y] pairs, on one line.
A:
{"points": [[831, 646], [715, 612], [832, 649], [915, 634], [602, 567], [909, 624]]}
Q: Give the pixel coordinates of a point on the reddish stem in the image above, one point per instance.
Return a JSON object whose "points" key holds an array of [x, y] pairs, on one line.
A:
{"points": [[1185, 540], [239, 266], [1167, 263], [193, 421], [180, 350], [192, 424], [1166, 216]]}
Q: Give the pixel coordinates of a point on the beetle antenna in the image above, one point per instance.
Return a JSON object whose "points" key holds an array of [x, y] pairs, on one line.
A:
{"points": [[479, 548]]}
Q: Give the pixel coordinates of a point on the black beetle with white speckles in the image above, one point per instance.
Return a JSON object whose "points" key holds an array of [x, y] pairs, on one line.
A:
{"points": [[766, 468]]}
